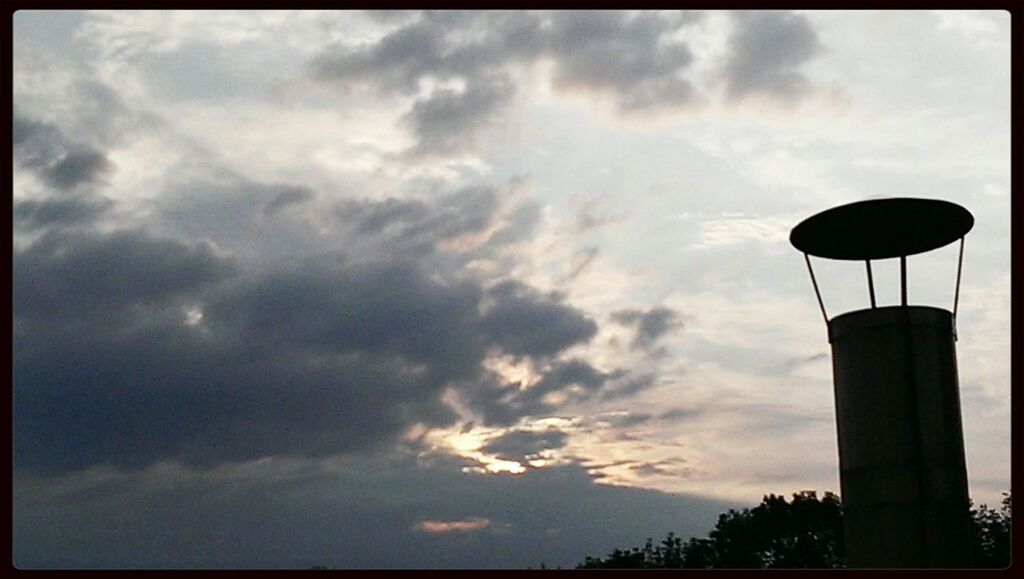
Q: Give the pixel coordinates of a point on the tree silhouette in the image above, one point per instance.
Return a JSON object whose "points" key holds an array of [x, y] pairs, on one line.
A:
{"points": [[991, 535], [806, 533]]}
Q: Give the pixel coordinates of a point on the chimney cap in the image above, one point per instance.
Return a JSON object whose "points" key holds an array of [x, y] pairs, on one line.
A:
{"points": [[881, 228]]}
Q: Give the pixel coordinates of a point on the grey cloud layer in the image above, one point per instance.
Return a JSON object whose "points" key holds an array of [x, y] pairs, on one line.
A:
{"points": [[286, 197], [520, 444], [43, 148], [767, 49], [637, 58], [70, 170], [446, 121], [626, 55], [40, 213], [650, 325], [415, 226]]}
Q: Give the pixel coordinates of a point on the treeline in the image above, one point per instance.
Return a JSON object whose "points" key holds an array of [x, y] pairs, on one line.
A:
{"points": [[805, 533]]}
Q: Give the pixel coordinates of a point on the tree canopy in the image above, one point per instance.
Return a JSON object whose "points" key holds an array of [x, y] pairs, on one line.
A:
{"points": [[804, 533], [992, 535]]}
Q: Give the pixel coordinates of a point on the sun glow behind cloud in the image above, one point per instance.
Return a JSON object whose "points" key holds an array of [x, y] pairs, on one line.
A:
{"points": [[520, 373], [469, 441]]}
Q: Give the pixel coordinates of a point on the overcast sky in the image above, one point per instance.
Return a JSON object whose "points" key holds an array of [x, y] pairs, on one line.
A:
{"points": [[467, 289]]}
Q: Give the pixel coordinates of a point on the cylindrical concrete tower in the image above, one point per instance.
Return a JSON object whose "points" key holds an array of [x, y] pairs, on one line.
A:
{"points": [[903, 475]]}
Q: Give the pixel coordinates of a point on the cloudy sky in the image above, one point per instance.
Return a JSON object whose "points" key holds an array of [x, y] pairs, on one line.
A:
{"points": [[467, 289]]}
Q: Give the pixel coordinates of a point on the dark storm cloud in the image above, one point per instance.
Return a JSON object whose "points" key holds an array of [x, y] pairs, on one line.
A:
{"points": [[63, 164], [39, 213], [131, 349], [380, 308], [517, 311], [767, 47], [34, 141], [68, 276], [334, 514], [520, 444], [574, 372], [650, 325], [108, 372], [77, 166]]}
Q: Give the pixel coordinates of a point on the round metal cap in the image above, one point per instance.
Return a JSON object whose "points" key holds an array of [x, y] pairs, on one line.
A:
{"points": [[881, 228]]}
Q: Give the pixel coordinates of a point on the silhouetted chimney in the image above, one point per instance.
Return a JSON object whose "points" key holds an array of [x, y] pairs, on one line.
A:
{"points": [[902, 468]]}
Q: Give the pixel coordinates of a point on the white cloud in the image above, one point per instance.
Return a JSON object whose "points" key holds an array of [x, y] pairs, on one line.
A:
{"points": [[970, 23], [733, 230]]}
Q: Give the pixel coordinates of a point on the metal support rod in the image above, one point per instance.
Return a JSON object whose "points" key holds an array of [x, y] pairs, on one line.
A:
{"points": [[871, 283], [903, 279], [817, 293], [959, 268]]}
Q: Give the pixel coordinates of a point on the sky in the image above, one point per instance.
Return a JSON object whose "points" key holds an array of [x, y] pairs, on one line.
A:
{"points": [[468, 289]]}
